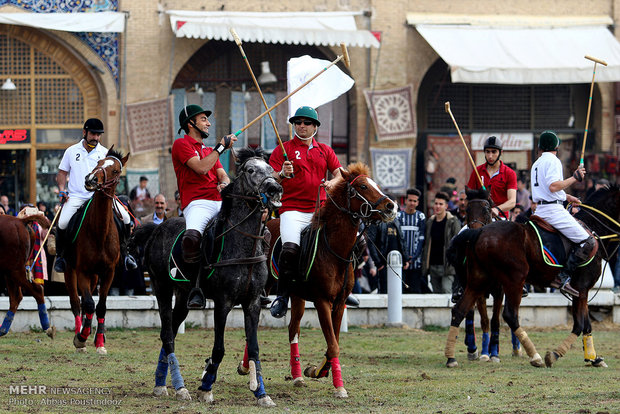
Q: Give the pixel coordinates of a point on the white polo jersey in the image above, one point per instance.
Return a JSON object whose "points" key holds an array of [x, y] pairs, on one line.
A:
{"points": [[79, 163], [546, 170]]}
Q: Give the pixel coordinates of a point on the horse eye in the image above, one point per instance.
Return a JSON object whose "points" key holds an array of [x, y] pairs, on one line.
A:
{"points": [[364, 187], [251, 170]]}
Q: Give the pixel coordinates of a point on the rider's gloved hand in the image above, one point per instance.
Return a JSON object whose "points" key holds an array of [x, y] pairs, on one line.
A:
{"points": [[64, 196]]}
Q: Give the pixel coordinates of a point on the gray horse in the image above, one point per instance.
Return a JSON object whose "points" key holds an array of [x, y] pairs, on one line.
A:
{"points": [[236, 274]]}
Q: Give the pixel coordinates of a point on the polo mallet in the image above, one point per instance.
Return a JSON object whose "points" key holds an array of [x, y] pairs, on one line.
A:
{"points": [[28, 268], [347, 62], [447, 104], [262, 97], [585, 134]]}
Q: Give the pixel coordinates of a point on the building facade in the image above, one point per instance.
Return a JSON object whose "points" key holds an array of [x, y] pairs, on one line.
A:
{"points": [[159, 56]]}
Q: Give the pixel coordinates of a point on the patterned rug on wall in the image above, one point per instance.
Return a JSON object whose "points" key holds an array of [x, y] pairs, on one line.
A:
{"points": [[149, 125], [391, 168], [392, 113]]}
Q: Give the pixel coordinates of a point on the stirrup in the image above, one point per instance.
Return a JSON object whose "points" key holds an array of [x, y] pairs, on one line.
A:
{"points": [[196, 299], [567, 289], [352, 301], [130, 263], [279, 307], [60, 266]]}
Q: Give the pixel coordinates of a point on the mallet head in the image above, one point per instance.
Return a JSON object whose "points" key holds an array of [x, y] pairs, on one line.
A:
{"points": [[593, 59], [447, 106], [345, 55], [235, 36]]}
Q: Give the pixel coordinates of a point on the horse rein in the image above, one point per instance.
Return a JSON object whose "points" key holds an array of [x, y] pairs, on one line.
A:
{"points": [[107, 183], [366, 209]]}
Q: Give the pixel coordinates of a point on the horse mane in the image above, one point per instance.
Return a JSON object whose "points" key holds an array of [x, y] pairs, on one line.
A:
{"points": [[114, 153], [601, 196], [243, 155]]}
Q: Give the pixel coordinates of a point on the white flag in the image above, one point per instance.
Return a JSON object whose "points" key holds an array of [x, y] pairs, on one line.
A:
{"points": [[325, 88]]}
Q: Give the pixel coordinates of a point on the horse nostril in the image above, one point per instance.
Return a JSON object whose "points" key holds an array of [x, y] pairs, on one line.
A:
{"points": [[390, 206]]}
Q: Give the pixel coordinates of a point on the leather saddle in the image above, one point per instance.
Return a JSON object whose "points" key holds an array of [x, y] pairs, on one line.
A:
{"points": [[308, 248]]}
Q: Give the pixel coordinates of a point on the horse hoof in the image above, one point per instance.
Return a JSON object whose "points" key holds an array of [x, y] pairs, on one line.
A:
{"points": [[78, 344], [473, 356], [537, 361], [310, 372], [205, 396], [517, 353], [340, 392], [550, 358], [51, 332], [452, 363], [241, 370], [299, 382], [160, 391], [102, 351], [599, 363], [183, 394], [484, 358], [265, 402], [495, 359], [81, 350]]}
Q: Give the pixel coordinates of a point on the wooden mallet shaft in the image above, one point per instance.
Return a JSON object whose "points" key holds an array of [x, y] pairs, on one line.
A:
{"points": [[447, 105], [262, 97], [585, 133]]}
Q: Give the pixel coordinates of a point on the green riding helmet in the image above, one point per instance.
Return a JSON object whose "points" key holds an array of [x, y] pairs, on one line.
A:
{"points": [[189, 112], [305, 112], [548, 141]]}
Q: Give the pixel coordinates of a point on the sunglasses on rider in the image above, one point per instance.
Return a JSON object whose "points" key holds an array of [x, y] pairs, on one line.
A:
{"points": [[307, 123]]}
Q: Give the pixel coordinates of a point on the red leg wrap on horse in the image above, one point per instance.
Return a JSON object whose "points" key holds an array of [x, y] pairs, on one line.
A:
{"points": [[336, 373], [295, 364], [246, 362], [87, 326], [78, 324], [99, 340]]}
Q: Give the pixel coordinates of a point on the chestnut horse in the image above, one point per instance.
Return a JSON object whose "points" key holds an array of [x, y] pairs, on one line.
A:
{"points": [[509, 254], [92, 258], [16, 246], [353, 200]]}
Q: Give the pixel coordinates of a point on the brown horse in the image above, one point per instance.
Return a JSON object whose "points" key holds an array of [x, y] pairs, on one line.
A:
{"points": [[16, 246], [354, 200], [95, 253], [509, 254], [478, 214]]}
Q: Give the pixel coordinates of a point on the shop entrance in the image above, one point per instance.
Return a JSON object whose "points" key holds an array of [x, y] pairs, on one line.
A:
{"points": [[14, 176]]}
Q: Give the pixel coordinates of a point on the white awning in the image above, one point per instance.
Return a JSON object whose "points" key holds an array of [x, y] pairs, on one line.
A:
{"points": [[524, 55], [326, 29], [105, 22]]}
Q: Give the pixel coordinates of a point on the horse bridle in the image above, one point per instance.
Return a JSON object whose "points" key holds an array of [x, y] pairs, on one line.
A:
{"points": [[107, 183], [366, 209], [487, 207]]}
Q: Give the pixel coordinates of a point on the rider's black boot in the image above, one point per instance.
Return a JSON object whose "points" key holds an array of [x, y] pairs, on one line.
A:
{"points": [[60, 264], [289, 267]]}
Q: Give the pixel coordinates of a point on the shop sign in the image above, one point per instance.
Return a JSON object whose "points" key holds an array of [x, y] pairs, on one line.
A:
{"points": [[512, 141], [14, 136]]}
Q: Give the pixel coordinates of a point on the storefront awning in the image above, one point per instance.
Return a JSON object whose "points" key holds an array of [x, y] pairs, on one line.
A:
{"points": [[524, 54], [326, 29], [104, 22]]}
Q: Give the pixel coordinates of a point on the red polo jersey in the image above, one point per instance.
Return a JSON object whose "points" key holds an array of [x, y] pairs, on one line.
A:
{"points": [[309, 166], [193, 186], [500, 183]]}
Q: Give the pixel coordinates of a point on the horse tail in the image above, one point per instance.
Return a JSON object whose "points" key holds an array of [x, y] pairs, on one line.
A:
{"points": [[39, 218], [139, 238], [457, 250]]}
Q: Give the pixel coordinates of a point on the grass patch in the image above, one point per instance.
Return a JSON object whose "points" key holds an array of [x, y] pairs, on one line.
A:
{"points": [[384, 369]]}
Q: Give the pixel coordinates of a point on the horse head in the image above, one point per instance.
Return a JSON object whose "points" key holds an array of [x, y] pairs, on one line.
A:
{"points": [[601, 211], [107, 173], [478, 208], [255, 178], [364, 198]]}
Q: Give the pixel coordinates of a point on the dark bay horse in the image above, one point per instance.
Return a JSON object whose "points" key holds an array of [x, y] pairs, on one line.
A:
{"points": [[92, 258], [238, 276], [478, 214], [508, 254], [356, 199], [16, 246]]}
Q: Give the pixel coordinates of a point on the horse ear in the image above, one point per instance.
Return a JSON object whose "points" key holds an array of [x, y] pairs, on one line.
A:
{"points": [[125, 158], [345, 174]]}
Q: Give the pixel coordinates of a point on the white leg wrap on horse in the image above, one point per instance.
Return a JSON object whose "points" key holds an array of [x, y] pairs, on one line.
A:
{"points": [[253, 378], [451, 341]]}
